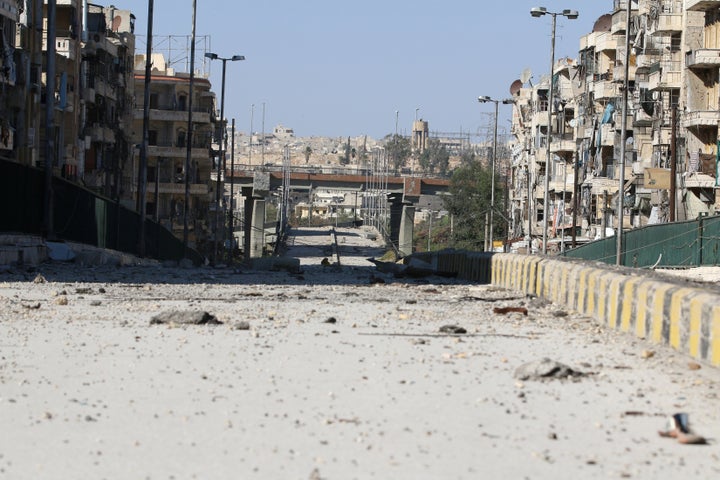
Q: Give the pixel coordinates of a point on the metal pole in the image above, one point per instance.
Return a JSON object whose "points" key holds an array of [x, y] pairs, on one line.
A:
{"points": [[231, 219], [262, 146], [623, 135], [142, 168], [220, 170], [50, 120], [190, 132], [551, 94], [252, 113], [673, 165], [576, 200], [492, 181]]}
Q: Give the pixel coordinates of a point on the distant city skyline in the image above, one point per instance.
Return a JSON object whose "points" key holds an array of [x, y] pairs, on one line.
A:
{"points": [[335, 70]]}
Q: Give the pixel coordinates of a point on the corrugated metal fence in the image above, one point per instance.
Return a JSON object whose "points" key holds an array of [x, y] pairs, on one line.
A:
{"points": [[691, 243], [79, 215]]}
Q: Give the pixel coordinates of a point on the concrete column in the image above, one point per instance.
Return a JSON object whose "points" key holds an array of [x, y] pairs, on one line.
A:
{"points": [[247, 220], [257, 236], [407, 222], [396, 208]]}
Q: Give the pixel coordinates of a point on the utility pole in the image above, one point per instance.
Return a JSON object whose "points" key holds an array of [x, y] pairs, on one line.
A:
{"points": [[673, 163], [50, 119], [188, 155], [142, 168]]}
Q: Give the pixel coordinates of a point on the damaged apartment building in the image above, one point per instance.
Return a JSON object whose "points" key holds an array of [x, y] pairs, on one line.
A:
{"points": [[672, 125], [90, 128], [168, 150]]}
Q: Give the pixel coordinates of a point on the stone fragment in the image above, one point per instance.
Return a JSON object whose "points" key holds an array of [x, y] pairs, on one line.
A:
{"points": [[184, 318], [545, 369], [452, 329]]}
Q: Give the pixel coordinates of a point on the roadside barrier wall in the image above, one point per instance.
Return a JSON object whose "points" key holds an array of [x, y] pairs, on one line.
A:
{"points": [[666, 311]]}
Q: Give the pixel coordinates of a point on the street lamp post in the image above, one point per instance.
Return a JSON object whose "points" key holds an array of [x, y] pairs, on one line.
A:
{"points": [[221, 160], [571, 15], [485, 99]]}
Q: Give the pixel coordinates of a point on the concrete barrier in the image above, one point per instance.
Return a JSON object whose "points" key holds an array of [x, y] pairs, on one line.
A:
{"points": [[664, 310]]}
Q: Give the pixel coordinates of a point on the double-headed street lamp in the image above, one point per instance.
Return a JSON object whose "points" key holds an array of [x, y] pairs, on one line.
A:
{"points": [[507, 101], [221, 161], [571, 15]]}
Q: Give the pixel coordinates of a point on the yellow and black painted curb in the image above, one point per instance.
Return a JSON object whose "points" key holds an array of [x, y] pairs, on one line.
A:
{"points": [[684, 316]]}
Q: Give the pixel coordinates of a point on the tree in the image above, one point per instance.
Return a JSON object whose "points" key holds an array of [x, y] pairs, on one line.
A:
{"points": [[469, 201], [308, 152], [398, 150], [435, 158]]}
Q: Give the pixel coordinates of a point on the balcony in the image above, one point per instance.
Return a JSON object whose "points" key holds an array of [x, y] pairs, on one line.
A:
{"points": [[177, 152], [606, 42], [88, 94], [100, 133], [703, 58], [619, 22], [669, 22], [607, 135], [540, 118], [604, 89], [559, 182], [665, 76], [105, 89], [619, 74], [701, 5], [562, 145], [174, 115], [709, 118], [179, 188], [641, 119], [662, 136]]}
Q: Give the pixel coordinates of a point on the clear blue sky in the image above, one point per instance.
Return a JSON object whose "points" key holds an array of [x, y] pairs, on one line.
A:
{"points": [[335, 68]]}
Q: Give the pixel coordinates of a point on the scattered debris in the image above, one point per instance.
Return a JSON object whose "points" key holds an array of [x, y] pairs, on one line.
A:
{"points": [[452, 329], [647, 354], [242, 326], [39, 279], [325, 262], [504, 310], [678, 426], [83, 290], [545, 369], [61, 300], [388, 267], [184, 318], [34, 306], [694, 366], [331, 320]]}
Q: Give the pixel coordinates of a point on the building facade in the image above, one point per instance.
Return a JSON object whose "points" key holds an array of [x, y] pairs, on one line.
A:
{"points": [[671, 131], [168, 151]]}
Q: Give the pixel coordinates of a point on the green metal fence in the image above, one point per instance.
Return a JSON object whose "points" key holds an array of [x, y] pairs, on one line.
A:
{"points": [[690, 243], [80, 215]]}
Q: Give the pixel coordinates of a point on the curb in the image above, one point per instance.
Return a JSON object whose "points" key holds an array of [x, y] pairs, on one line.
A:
{"points": [[680, 315]]}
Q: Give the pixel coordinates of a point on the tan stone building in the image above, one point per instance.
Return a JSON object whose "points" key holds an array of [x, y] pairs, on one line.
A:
{"points": [[672, 122], [167, 150]]}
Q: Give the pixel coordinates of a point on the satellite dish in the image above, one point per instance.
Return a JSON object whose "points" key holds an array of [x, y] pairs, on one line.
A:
{"points": [[525, 76], [603, 24], [515, 87]]}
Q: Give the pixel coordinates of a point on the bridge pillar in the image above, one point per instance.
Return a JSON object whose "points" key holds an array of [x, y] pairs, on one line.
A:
{"points": [[407, 222], [257, 235], [396, 207], [247, 220]]}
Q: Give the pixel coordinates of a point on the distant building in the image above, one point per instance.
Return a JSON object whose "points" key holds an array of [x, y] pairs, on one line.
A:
{"points": [[167, 149]]}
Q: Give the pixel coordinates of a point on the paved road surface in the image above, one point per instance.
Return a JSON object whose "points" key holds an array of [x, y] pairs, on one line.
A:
{"points": [[338, 377]]}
